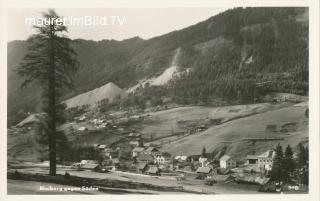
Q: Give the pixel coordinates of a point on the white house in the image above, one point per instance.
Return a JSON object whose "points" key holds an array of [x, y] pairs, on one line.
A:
{"points": [[162, 159], [227, 162], [203, 161], [265, 160]]}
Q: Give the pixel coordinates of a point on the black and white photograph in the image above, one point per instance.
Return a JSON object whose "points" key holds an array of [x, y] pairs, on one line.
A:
{"points": [[159, 101]]}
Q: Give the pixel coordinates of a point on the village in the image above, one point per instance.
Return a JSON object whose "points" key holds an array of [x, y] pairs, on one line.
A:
{"points": [[140, 157], [146, 159]]}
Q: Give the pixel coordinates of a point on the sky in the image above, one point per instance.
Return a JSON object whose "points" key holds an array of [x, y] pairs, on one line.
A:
{"points": [[143, 22]]}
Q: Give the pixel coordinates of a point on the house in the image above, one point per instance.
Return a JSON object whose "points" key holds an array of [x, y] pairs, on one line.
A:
{"points": [[133, 136], [152, 151], [249, 178], [162, 158], [82, 118], [204, 171], [141, 167], [95, 146], [142, 157], [203, 161], [76, 165], [181, 158], [265, 160], [187, 168], [148, 144], [227, 162], [201, 128], [82, 128], [193, 158], [90, 166], [136, 151], [102, 146], [134, 143], [107, 152], [252, 160], [88, 161], [153, 170], [115, 161]]}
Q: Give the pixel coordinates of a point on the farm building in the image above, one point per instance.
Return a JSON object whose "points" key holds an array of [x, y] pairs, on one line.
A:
{"points": [[152, 151], [227, 162], [134, 143], [90, 166], [204, 171], [153, 170], [115, 161], [162, 158], [203, 161], [141, 167], [102, 147], [145, 158], [181, 158], [265, 160], [82, 128], [136, 151], [252, 160]]}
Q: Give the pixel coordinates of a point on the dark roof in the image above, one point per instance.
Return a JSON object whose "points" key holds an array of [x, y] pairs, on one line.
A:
{"points": [[145, 157], [204, 170], [166, 155], [252, 157], [150, 149], [141, 166]]}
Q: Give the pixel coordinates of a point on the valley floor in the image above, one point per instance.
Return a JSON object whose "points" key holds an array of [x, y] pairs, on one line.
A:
{"points": [[190, 185]]}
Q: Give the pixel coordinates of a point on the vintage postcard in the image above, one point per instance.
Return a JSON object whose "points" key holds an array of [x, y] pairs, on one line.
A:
{"points": [[161, 99]]}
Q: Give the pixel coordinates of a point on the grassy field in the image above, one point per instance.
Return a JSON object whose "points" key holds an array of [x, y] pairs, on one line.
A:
{"points": [[235, 137], [239, 125], [166, 122]]}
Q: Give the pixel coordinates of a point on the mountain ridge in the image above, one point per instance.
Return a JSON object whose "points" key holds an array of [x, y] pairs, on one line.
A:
{"points": [[220, 68]]}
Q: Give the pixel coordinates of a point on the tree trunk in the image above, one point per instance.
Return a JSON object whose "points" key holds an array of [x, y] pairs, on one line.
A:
{"points": [[52, 111]]}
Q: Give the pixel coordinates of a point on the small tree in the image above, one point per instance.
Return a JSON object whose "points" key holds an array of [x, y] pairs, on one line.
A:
{"points": [[303, 164], [288, 163], [303, 155], [203, 153], [277, 166]]}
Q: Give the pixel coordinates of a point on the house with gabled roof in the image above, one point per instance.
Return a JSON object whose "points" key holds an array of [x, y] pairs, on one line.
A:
{"points": [[136, 151], [141, 167], [204, 172], [252, 160], [227, 162], [152, 151], [265, 160], [153, 170], [145, 158], [162, 158]]}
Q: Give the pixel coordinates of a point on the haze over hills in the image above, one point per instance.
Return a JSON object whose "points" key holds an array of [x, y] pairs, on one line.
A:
{"points": [[226, 57]]}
